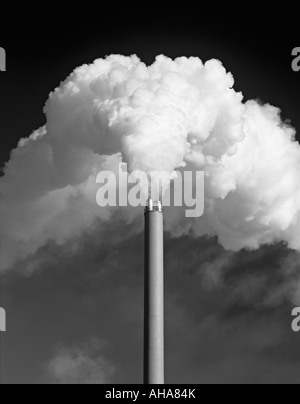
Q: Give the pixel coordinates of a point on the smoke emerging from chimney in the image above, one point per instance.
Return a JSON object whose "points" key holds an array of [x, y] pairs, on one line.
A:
{"points": [[174, 115]]}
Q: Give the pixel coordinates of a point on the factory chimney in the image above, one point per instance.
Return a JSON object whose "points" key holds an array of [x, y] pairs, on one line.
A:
{"points": [[154, 294]]}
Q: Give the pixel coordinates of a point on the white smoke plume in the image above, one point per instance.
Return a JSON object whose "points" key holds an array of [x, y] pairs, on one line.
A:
{"points": [[174, 115]]}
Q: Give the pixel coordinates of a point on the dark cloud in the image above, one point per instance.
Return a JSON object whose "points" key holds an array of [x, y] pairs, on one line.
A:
{"points": [[228, 315], [79, 364]]}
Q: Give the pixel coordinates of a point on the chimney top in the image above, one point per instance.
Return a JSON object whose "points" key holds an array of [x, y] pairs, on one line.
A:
{"points": [[153, 206]]}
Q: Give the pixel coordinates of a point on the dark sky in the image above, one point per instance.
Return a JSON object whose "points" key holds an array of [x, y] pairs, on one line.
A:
{"points": [[230, 313], [45, 45]]}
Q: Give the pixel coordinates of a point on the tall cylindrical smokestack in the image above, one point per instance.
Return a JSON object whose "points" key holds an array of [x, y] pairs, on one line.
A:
{"points": [[154, 295]]}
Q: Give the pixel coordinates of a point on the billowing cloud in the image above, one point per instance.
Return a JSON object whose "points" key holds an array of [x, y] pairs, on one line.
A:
{"points": [[79, 364], [174, 115]]}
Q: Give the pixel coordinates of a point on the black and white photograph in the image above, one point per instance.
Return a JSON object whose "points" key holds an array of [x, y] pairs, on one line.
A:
{"points": [[149, 197]]}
